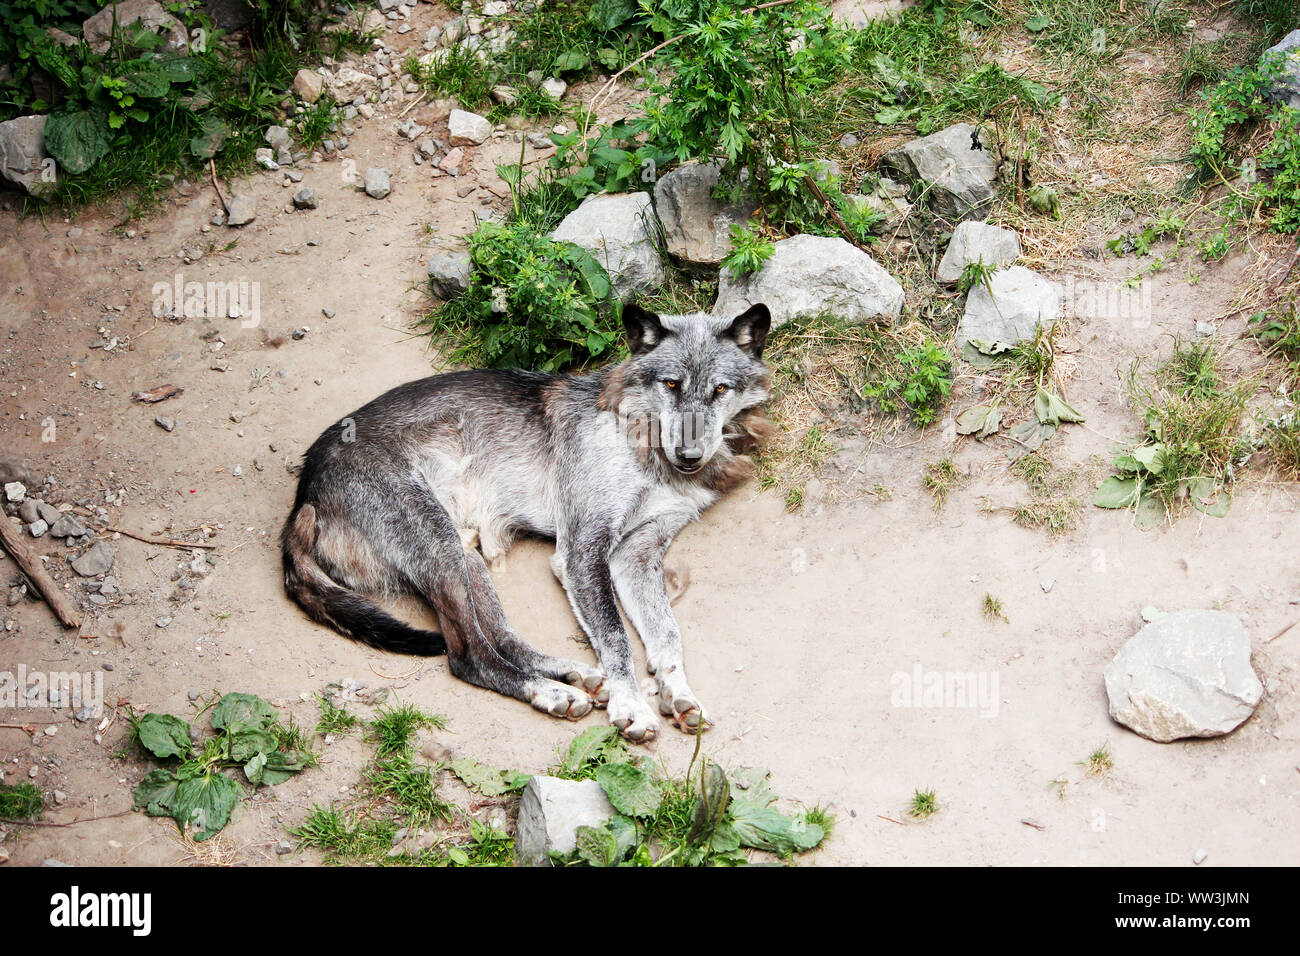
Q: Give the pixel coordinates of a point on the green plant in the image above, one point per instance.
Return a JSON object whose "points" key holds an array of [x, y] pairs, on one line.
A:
{"points": [[20, 801], [194, 791], [394, 727], [749, 250], [992, 608], [940, 477], [334, 719], [922, 381], [923, 804], [1099, 761]]}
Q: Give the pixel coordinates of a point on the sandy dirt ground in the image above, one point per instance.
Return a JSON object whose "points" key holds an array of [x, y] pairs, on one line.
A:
{"points": [[796, 625]]}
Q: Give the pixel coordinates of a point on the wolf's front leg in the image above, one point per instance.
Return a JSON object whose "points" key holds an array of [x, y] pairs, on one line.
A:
{"points": [[591, 593], [638, 572]]}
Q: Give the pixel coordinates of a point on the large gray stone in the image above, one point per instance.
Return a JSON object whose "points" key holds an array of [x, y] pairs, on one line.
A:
{"points": [[697, 227], [1020, 302], [550, 812], [808, 276], [467, 129], [620, 232], [977, 242], [954, 168], [377, 182], [1186, 674], [1287, 55], [97, 30], [449, 273], [23, 157], [97, 560]]}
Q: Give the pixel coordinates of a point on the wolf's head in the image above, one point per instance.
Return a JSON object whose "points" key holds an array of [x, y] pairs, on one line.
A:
{"points": [[691, 382]]}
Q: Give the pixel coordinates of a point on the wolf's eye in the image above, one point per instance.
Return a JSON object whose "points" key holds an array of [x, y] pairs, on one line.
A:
{"points": [[721, 389], [671, 384]]}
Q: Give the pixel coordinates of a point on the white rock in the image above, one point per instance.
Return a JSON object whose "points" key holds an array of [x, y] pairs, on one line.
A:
{"points": [[957, 167], [616, 230], [550, 812], [347, 84], [467, 129], [1187, 674], [1020, 302], [15, 491], [697, 227], [808, 276], [977, 242]]}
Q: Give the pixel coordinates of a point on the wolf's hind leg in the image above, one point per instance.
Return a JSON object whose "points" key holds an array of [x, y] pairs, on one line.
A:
{"points": [[424, 544], [492, 619]]}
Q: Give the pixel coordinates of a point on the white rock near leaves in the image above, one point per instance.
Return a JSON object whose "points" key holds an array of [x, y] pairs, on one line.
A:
{"points": [[956, 168], [97, 30], [977, 242], [1186, 674], [1021, 300], [23, 157], [550, 812], [808, 276], [697, 227], [1287, 56], [619, 231]]}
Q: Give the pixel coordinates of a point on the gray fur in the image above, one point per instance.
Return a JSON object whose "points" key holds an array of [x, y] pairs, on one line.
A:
{"points": [[611, 465]]}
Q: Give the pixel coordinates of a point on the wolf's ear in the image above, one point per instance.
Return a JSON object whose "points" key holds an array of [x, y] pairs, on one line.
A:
{"points": [[749, 330], [644, 329]]}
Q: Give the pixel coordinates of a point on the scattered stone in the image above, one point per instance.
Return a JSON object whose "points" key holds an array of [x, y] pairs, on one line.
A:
{"points": [[28, 511], [162, 622], [955, 166], [550, 812], [97, 560], [808, 276], [1020, 302], [1287, 54], [97, 30], [889, 201], [308, 85], [67, 526], [697, 227], [378, 182], [241, 210], [50, 513], [305, 198], [468, 129], [283, 848], [539, 141], [1199, 857], [504, 95], [554, 88], [37, 528], [451, 162], [165, 423], [848, 141], [347, 84], [23, 160], [616, 230], [15, 491], [977, 242], [265, 158], [277, 137], [449, 273], [1187, 674]]}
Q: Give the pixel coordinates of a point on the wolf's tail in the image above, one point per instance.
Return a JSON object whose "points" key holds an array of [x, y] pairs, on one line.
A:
{"points": [[348, 612]]}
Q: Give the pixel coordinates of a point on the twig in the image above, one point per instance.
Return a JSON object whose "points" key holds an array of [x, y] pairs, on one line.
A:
{"points": [[1283, 631], [891, 819], [213, 167], [165, 542], [413, 105], [31, 566], [70, 823]]}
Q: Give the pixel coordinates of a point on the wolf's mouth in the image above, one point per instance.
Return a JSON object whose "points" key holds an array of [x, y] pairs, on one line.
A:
{"points": [[688, 469]]}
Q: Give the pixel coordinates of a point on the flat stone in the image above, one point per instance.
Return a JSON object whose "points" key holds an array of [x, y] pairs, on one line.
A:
{"points": [[378, 182], [97, 560], [467, 129], [697, 227], [308, 85], [241, 210], [1186, 674], [955, 168], [1287, 55], [616, 230], [449, 274], [97, 30], [23, 159]]}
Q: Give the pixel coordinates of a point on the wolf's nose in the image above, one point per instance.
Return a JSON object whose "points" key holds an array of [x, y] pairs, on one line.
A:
{"points": [[691, 453]]}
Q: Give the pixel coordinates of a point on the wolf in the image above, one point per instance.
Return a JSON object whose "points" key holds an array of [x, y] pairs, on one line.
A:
{"points": [[611, 465]]}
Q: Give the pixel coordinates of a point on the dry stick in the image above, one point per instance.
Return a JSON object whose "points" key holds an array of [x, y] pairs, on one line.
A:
{"points": [[165, 542], [1283, 631], [213, 166], [31, 566], [413, 105], [70, 823], [1295, 257]]}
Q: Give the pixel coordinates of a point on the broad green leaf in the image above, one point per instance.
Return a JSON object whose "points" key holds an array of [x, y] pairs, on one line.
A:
{"points": [[630, 789], [240, 712], [588, 746], [156, 793], [980, 420], [1037, 24], [712, 806], [1032, 434], [150, 83], [1208, 497], [489, 781], [244, 744], [596, 846], [1052, 410], [1116, 492], [1150, 457], [766, 829], [1150, 513], [77, 140], [570, 61], [164, 735], [204, 803], [212, 135]]}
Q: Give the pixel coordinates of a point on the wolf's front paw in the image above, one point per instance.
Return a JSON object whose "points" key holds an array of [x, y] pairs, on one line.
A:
{"points": [[629, 712], [560, 700], [677, 702]]}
